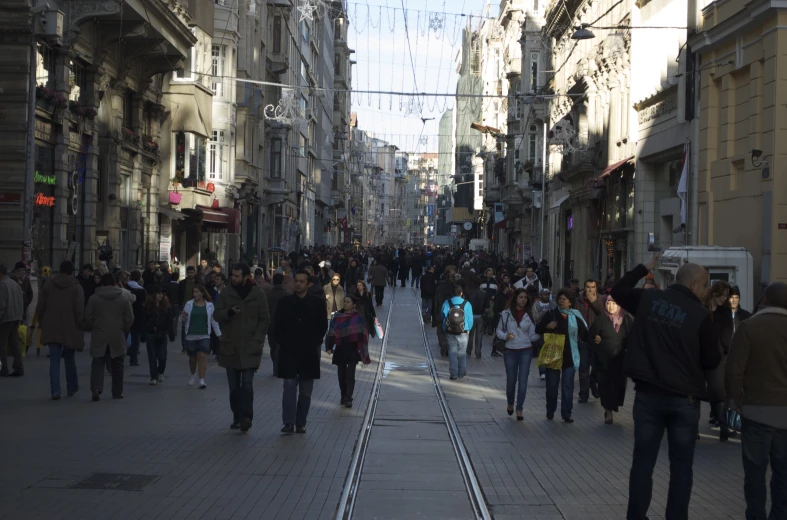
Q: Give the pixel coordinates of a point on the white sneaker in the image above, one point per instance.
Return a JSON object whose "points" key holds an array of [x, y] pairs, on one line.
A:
{"points": [[193, 380], [161, 378], [153, 382], [543, 377], [202, 385]]}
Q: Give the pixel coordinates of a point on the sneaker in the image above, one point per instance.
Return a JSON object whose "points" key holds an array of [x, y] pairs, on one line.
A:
{"points": [[234, 426], [202, 385], [300, 429], [153, 382], [543, 377], [161, 378], [245, 424], [348, 403], [288, 429], [71, 394], [193, 380]]}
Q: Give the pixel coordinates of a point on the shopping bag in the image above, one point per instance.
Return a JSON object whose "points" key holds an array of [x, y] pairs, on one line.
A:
{"points": [[734, 420], [378, 329], [551, 355]]}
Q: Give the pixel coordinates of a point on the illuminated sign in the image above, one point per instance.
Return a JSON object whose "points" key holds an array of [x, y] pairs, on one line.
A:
{"points": [[44, 179], [43, 200]]}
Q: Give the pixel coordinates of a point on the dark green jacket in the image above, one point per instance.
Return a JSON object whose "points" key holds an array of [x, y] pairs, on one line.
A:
{"points": [[243, 333]]}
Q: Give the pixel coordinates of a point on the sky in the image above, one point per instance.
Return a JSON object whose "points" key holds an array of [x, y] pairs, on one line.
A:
{"points": [[383, 55]]}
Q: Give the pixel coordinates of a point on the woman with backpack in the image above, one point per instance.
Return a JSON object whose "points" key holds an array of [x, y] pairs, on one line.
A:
{"points": [[347, 338], [519, 332], [159, 316]]}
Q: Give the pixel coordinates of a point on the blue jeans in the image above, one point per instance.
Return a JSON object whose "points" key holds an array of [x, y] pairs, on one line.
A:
{"points": [[241, 393], [296, 400], [762, 443], [133, 350], [566, 391], [517, 371], [680, 416], [427, 302], [457, 354], [157, 355], [57, 351]]}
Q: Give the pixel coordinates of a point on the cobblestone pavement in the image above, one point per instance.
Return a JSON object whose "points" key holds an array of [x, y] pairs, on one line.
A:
{"points": [[539, 469], [179, 438]]}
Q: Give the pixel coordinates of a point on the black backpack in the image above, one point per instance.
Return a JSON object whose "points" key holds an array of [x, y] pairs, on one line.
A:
{"points": [[455, 322]]}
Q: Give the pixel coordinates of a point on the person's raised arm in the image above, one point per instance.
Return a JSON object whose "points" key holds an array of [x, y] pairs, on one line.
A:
{"points": [[624, 292]]}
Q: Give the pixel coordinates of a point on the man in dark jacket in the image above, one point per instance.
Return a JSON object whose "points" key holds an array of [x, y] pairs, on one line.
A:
{"points": [[591, 306], [87, 282], [351, 276], [301, 324], [671, 345], [139, 316], [428, 288], [60, 311], [274, 296], [377, 277]]}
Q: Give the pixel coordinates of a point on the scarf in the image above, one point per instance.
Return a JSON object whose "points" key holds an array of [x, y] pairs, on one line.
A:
{"points": [[347, 329], [573, 332], [616, 319]]}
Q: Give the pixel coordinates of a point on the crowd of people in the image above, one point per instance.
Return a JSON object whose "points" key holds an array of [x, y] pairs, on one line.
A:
{"points": [[680, 345]]}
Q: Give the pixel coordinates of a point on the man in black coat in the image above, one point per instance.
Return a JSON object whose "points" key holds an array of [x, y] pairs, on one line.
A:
{"points": [[671, 346], [300, 325]]}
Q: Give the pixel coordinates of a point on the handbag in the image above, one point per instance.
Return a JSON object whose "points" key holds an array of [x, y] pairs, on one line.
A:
{"points": [[175, 196], [551, 355], [378, 329], [497, 343]]}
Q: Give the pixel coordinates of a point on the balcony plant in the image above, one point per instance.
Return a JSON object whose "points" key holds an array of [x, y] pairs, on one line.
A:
{"points": [[78, 110], [149, 145], [51, 97], [129, 136]]}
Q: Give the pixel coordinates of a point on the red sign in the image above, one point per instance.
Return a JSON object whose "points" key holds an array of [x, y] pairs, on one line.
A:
{"points": [[10, 199], [43, 200], [782, 225]]}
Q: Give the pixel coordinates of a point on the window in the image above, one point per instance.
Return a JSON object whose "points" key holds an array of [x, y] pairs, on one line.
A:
{"points": [[533, 72], [302, 146], [186, 73], [531, 145], [275, 159], [305, 31], [218, 57], [337, 28], [45, 68], [304, 74], [304, 105], [128, 109], [189, 158], [535, 6], [216, 156], [276, 34], [337, 64], [77, 80]]}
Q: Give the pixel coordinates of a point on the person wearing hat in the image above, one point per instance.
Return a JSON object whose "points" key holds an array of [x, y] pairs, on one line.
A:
{"points": [[540, 308], [159, 317]]}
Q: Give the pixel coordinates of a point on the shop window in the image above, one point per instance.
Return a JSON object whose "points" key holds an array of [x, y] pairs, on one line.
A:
{"points": [[189, 158], [275, 159]]}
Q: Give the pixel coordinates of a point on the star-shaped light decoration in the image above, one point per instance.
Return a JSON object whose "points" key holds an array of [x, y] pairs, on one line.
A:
{"points": [[307, 11]]}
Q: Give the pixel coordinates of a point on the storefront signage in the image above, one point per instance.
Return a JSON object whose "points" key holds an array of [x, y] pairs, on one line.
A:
{"points": [[45, 179], [164, 252], [10, 199], [658, 109], [207, 229], [43, 200], [166, 230]]}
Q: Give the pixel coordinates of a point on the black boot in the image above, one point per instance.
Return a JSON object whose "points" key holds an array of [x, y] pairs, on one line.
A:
{"points": [[721, 417]]}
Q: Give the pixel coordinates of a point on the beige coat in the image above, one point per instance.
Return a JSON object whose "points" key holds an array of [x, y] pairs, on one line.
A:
{"points": [[329, 298], [109, 315]]}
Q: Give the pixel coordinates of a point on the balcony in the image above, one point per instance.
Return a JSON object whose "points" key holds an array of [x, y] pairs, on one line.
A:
{"points": [[491, 194], [277, 63], [515, 195], [276, 190]]}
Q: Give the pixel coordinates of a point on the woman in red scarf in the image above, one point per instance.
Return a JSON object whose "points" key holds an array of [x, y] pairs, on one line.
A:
{"points": [[348, 341], [609, 332]]}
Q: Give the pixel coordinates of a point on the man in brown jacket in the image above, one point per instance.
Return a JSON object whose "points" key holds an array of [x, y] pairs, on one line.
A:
{"points": [[756, 381], [60, 311], [110, 316]]}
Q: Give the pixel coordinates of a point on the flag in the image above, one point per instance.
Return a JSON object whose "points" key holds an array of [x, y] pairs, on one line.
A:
{"points": [[343, 222], [682, 190], [352, 210]]}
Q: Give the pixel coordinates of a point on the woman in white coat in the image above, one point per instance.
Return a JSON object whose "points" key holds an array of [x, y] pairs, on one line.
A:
{"points": [[518, 331], [199, 323]]}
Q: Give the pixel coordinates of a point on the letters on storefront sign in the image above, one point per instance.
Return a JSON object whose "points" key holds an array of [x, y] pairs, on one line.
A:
{"points": [[45, 179], [43, 200], [214, 230]]}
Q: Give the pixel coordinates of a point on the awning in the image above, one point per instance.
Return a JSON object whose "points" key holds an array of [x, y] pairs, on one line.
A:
{"points": [[233, 219], [213, 220], [501, 224], [614, 167], [559, 201], [171, 213]]}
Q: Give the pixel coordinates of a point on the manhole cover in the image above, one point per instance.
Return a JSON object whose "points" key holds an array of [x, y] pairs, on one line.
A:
{"points": [[119, 481]]}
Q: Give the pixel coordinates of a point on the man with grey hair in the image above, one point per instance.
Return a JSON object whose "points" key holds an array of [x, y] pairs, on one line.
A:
{"points": [[671, 345], [11, 311], [756, 381]]}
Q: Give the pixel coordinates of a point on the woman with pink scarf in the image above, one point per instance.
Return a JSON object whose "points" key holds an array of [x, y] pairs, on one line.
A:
{"points": [[609, 332]]}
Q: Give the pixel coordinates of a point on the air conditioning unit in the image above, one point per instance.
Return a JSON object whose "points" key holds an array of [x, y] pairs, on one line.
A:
{"points": [[50, 23]]}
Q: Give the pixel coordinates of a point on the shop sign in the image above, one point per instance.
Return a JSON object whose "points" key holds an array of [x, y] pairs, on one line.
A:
{"points": [[43, 200], [166, 230], [44, 179], [208, 229], [10, 199], [164, 252]]}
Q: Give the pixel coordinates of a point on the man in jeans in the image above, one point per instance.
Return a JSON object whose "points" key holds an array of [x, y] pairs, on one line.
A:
{"points": [[60, 311], [672, 344], [301, 324], [478, 301], [457, 343], [242, 313], [756, 381]]}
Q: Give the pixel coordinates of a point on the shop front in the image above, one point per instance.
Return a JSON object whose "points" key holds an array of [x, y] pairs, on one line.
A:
{"points": [[208, 233]]}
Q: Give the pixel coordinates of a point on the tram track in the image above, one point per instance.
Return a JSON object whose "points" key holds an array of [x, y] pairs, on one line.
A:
{"points": [[346, 507]]}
